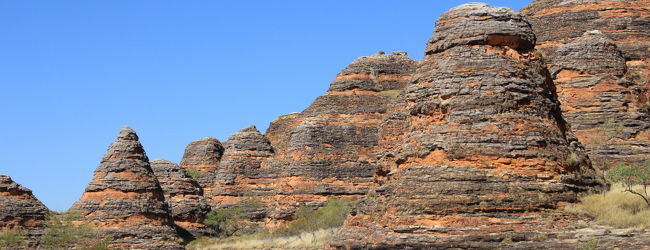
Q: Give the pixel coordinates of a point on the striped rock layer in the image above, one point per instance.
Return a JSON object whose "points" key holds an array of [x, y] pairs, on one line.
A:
{"points": [[20, 210], [202, 158], [183, 195], [124, 200], [476, 150], [599, 56]]}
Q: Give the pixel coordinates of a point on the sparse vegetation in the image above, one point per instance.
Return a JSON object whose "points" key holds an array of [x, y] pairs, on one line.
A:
{"points": [[611, 126], [307, 219], [193, 172], [311, 228], [390, 93], [616, 208], [224, 220], [630, 175], [573, 160], [61, 232], [589, 244], [229, 221], [12, 238], [309, 240]]}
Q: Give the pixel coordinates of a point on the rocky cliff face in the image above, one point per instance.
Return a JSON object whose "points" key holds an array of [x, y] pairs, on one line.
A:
{"points": [[476, 149], [202, 159], [124, 200], [20, 210], [598, 53], [329, 149], [183, 195]]}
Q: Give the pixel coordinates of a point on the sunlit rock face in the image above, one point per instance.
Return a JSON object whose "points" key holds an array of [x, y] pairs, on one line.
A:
{"points": [[124, 200], [20, 210], [598, 53], [183, 195], [328, 149], [475, 150], [201, 158]]}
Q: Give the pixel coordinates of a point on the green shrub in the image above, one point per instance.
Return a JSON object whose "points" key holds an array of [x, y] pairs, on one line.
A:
{"points": [[332, 215], [62, 233], [228, 221], [630, 175], [193, 172], [224, 220], [12, 238]]}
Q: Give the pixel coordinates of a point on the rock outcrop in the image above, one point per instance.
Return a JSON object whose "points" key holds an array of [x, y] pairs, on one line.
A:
{"points": [[244, 168], [328, 149], [201, 160], [184, 196], [475, 151], [20, 210], [599, 56], [124, 200]]}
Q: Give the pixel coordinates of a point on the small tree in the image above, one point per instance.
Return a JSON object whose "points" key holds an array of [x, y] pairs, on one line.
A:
{"points": [[633, 174]]}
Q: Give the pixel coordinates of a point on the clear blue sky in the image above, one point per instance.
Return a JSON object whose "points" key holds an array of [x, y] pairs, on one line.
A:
{"points": [[73, 72]]}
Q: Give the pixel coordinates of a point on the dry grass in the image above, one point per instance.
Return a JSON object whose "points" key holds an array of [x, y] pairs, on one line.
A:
{"points": [[615, 208], [390, 93], [314, 240]]}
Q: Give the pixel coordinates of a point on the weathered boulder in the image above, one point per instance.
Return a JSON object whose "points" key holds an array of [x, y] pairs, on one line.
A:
{"points": [[598, 53], [184, 196], [20, 210], [201, 160], [124, 200], [479, 24], [475, 151]]}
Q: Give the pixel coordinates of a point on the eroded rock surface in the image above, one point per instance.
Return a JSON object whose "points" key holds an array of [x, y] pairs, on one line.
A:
{"points": [[598, 52], [201, 159], [124, 200], [183, 195], [329, 149], [476, 150], [20, 210]]}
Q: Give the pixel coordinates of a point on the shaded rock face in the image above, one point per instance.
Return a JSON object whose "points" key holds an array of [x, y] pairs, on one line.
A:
{"points": [[19, 209], [203, 156], [475, 150], [124, 200], [598, 53], [184, 196]]}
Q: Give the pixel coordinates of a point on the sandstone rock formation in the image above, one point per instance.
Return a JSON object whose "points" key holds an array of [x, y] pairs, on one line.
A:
{"points": [[244, 167], [20, 210], [476, 150], [125, 202], [328, 149], [599, 56], [183, 195], [202, 159]]}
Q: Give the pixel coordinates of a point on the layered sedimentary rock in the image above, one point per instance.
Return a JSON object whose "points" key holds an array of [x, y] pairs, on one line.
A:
{"points": [[598, 53], [201, 159], [124, 200], [20, 210], [183, 195], [244, 167], [328, 149], [476, 150]]}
